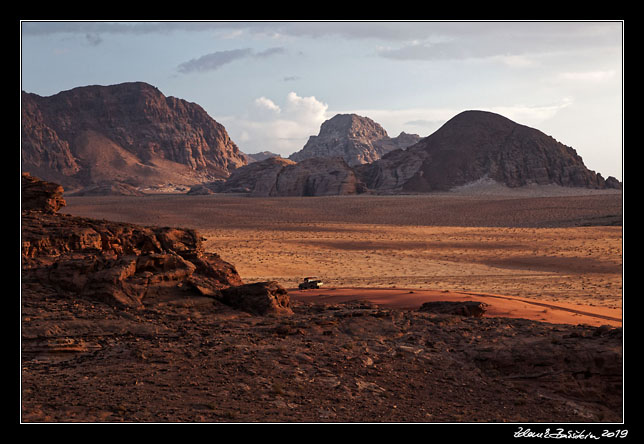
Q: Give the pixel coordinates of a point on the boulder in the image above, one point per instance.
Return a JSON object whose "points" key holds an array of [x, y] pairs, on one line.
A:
{"points": [[261, 298]]}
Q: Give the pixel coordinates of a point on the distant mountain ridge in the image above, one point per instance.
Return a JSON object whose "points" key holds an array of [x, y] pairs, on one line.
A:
{"points": [[258, 157], [472, 147], [354, 138], [128, 133], [129, 138]]}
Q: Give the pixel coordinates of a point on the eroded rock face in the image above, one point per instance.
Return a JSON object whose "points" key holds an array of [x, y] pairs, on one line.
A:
{"points": [[115, 262], [257, 178], [478, 145], [121, 263], [129, 132], [354, 138], [320, 176]]}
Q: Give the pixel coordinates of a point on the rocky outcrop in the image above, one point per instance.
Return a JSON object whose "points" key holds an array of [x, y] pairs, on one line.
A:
{"points": [[328, 176], [323, 176], [354, 138], [129, 132], [123, 263], [478, 145], [262, 298], [116, 263], [257, 178], [40, 195]]}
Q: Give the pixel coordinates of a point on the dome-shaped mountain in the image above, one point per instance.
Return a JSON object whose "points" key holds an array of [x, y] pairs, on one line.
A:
{"points": [[356, 139], [128, 132], [475, 145]]}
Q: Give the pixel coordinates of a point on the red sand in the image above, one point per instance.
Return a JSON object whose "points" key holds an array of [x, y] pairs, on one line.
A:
{"points": [[499, 305]]}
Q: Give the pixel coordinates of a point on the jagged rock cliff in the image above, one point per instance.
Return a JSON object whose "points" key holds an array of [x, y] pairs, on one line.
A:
{"points": [[476, 145], [128, 133], [354, 138]]}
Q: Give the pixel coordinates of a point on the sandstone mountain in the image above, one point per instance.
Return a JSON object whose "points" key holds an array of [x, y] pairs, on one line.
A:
{"points": [[356, 139], [129, 133], [477, 145], [323, 176]]}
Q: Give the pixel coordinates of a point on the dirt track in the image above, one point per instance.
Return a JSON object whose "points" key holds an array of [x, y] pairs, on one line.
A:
{"points": [[498, 305]]}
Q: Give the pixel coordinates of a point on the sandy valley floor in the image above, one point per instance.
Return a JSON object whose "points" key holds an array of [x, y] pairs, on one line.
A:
{"points": [[518, 244]]}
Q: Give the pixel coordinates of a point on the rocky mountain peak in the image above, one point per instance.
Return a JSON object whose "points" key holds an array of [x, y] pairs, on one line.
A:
{"points": [[352, 126], [354, 138]]}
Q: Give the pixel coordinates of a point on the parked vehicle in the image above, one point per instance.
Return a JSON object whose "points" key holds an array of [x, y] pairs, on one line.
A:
{"points": [[310, 282]]}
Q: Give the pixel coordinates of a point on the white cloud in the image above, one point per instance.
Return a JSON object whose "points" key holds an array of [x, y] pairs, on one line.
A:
{"points": [[267, 126], [305, 109], [263, 102], [263, 110], [587, 76]]}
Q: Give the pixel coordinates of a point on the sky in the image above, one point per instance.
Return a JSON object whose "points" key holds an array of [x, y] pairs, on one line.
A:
{"points": [[272, 84]]}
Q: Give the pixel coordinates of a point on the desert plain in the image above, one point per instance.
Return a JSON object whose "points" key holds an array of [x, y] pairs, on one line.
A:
{"points": [[546, 253], [547, 262]]}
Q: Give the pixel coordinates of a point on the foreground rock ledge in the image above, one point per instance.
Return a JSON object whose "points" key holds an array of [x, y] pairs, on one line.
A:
{"points": [[122, 263]]}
